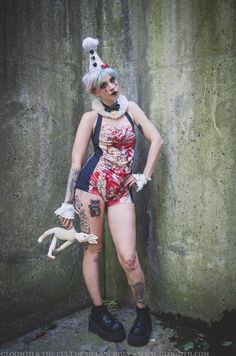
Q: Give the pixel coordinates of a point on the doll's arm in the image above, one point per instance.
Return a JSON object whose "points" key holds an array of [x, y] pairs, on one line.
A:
{"points": [[64, 245]]}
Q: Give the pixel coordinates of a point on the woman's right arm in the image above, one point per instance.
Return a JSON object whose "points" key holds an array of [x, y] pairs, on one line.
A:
{"points": [[79, 152]]}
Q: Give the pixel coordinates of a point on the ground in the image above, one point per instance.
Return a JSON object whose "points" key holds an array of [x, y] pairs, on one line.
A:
{"points": [[69, 336]]}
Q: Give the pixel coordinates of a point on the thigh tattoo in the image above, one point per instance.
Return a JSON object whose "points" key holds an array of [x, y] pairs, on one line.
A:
{"points": [[94, 208]]}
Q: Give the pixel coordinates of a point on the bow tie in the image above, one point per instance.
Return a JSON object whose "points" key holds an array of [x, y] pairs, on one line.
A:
{"points": [[115, 107]]}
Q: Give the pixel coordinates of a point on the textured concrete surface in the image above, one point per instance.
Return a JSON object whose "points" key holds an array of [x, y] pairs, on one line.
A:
{"points": [[177, 60], [193, 86], [39, 89], [184, 60], [71, 334]]}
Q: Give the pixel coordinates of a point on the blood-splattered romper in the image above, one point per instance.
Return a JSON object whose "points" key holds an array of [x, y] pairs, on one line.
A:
{"points": [[110, 165]]}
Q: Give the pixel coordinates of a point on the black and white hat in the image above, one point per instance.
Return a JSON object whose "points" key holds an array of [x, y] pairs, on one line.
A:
{"points": [[95, 63]]}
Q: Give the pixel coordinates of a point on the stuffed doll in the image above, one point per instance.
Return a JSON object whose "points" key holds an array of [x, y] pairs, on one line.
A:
{"points": [[67, 235]]}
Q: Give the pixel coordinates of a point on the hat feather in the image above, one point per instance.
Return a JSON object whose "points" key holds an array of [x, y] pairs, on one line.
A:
{"points": [[90, 43]]}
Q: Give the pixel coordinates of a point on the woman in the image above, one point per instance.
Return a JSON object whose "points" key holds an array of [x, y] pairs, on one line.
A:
{"points": [[102, 184]]}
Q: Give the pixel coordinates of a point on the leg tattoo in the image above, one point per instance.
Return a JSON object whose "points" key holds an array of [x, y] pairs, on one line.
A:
{"points": [[94, 208], [138, 290], [83, 219], [84, 222]]}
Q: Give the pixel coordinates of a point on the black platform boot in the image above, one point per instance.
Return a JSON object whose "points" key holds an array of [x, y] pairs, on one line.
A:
{"points": [[140, 331], [102, 323]]}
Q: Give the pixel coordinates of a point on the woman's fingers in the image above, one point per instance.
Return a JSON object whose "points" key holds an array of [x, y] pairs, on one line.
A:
{"points": [[130, 181], [67, 223], [70, 224]]}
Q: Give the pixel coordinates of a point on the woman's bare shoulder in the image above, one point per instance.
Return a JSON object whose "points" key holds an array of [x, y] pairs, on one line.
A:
{"points": [[131, 103], [133, 106], [89, 117], [133, 109]]}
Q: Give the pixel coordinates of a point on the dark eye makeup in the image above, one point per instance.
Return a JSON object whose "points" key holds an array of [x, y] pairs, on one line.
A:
{"points": [[104, 84]]}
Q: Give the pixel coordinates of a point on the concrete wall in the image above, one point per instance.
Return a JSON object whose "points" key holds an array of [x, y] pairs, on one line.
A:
{"points": [[192, 66], [40, 107], [177, 60], [184, 66]]}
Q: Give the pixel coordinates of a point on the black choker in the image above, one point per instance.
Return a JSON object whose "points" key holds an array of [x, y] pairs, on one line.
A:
{"points": [[115, 107]]}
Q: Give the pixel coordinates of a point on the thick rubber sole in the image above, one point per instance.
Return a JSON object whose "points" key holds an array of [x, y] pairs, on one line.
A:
{"points": [[138, 340], [114, 337]]}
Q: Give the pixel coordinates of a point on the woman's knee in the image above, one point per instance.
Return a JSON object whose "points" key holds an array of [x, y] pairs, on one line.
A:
{"points": [[129, 262], [93, 252]]}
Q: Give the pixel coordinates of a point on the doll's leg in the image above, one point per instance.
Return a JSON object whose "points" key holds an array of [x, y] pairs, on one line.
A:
{"points": [[47, 233], [52, 247], [64, 245], [90, 209]]}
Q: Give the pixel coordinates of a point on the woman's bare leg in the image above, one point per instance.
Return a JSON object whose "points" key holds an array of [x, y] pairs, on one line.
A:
{"points": [[121, 219], [90, 209]]}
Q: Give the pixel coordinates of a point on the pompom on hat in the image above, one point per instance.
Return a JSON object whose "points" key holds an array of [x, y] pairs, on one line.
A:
{"points": [[95, 63]]}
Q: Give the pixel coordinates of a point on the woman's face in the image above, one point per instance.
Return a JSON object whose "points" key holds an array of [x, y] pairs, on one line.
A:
{"points": [[109, 90]]}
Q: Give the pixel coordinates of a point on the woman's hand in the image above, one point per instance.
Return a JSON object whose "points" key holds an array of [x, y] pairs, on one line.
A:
{"points": [[139, 180], [67, 223], [130, 182]]}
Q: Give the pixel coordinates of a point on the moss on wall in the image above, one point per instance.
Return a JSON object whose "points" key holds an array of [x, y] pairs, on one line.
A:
{"points": [[191, 62]]}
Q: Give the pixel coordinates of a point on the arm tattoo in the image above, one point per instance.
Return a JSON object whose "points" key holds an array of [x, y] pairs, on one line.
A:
{"points": [[72, 180], [138, 292], [140, 128]]}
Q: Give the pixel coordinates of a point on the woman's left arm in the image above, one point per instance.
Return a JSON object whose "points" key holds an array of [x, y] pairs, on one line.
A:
{"points": [[151, 134]]}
